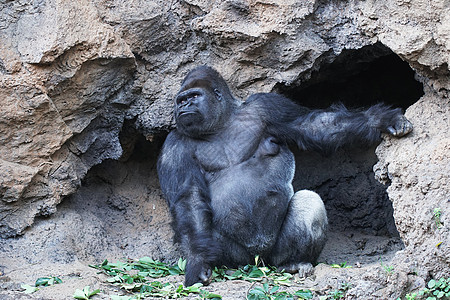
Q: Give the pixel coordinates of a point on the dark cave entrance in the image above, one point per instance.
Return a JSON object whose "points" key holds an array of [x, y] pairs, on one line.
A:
{"points": [[358, 78], [355, 201]]}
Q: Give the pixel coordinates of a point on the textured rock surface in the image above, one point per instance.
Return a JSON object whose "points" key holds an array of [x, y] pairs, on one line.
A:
{"points": [[81, 80], [416, 195]]}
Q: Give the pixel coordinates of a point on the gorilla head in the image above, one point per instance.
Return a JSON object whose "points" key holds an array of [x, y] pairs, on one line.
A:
{"points": [[204, 103]]}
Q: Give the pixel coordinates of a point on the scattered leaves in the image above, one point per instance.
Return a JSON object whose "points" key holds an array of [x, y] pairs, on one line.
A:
{"points": [[28, 288], [46, 281], [341, 265], [85, 293], [253, 273], [267, 292]]}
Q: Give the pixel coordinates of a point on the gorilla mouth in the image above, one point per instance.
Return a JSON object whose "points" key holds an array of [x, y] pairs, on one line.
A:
{"points": [[186, 112]]}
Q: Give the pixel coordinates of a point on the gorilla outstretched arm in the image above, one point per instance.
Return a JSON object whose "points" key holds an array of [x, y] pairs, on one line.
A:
{"points": [[326, 130], [187, 193]]}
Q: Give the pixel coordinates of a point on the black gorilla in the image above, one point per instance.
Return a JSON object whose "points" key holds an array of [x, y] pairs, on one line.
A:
{"points": [[226, 172]]}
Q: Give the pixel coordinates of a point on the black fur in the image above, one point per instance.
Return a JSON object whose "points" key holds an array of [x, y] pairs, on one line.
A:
{"points": [[226, 173]]}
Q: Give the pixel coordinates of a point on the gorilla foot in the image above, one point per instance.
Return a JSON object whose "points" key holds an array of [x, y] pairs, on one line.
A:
{"points": [[401, 127], [303, 269]]}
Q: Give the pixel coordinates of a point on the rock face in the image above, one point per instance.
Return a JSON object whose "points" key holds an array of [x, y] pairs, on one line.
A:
{"points": [[81, 81], [420, 197]]}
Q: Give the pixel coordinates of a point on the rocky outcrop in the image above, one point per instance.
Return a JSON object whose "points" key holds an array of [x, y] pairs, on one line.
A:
{"points": [[63, 77], [73, 73], [418, 175]]}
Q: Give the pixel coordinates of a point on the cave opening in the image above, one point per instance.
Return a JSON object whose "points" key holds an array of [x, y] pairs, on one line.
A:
{"points": [[357, 78], [357, 205]]}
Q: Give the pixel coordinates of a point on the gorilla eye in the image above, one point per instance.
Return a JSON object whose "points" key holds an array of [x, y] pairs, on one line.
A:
{"points": [[187, 97], [191, 97]]}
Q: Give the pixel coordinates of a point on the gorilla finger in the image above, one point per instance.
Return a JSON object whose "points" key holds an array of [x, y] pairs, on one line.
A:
{"points": [[408, 126], [404, 128], [392, 131]]}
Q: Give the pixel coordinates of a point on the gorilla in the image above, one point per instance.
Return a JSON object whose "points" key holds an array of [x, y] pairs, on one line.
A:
{"points": [[226, 172]]}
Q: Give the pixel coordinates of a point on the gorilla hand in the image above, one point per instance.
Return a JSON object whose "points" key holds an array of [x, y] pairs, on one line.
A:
{"points": [[388, 120], [400, 127], [197, 271]]}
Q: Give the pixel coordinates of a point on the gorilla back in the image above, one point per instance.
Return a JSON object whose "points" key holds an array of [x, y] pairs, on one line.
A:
{"points": [[226, 172]]}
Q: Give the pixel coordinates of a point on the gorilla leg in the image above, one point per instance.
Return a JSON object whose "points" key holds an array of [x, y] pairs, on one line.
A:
{"points": [[233, 255], [302, 235]]}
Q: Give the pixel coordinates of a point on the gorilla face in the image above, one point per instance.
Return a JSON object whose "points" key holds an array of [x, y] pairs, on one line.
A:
{"points": [[196, 111], [203, 105]]}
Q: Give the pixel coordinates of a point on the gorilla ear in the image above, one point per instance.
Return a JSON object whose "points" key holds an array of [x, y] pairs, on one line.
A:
{"points": [[218, 94]]}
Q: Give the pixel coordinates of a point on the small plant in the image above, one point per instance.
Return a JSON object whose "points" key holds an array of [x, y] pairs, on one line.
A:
{"points": [[341, 265], [437, 217], [267, 292], [256, 272], [42, 281], [136, 277], [411, 296], [437, 289], [85, 293], [29, 289], [388, 269], [46, 281], [145, 267], [340, 292]]}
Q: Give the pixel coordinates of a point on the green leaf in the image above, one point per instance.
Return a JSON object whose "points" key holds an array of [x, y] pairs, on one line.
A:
{"points": [[256, 273], [431, 283], [29, 289], [257, 291], [274, 289], [45, 281], [207, 295], [146, 260], [254, 297], [42, 281], [79, 294], [182, 264], [304, 294], [85, 293], [94, 292]]}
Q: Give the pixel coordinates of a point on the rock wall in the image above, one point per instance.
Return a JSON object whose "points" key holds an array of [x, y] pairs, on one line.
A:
{"points": [[419, 175], [73, 73]]}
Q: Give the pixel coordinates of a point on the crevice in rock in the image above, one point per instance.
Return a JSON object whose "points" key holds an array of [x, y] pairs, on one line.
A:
{"points": [[118, 209]]}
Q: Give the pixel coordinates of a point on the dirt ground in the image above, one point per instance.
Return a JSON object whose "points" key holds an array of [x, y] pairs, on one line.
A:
{"points": [[364, 253]]}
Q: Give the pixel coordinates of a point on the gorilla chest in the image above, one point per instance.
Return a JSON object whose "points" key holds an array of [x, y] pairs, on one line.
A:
{"points": [[230, 147]]}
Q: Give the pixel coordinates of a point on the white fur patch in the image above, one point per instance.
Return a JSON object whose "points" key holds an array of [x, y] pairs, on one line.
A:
{"points": [[308, 206]]}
